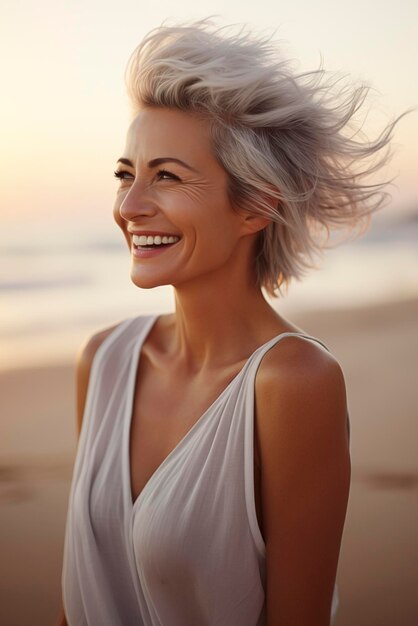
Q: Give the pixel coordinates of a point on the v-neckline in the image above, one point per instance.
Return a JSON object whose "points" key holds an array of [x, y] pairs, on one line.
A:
{"points": [[136, 356], [133, 371]]}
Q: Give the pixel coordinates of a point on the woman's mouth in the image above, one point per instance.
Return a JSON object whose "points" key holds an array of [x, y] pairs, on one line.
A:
{"points": [[149, 245], [147, 241]]}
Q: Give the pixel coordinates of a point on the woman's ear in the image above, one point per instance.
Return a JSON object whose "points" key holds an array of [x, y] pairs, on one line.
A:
{"points": [[253, 222]]}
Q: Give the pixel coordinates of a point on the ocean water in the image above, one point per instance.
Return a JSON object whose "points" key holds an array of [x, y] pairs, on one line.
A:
{"points": [[62, 280]]}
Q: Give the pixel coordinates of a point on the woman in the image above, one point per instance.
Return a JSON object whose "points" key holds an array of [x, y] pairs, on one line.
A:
{"points": [[213, 468]]}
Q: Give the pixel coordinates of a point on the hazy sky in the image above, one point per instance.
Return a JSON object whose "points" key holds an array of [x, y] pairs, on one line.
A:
{"points": [[64, 111]]}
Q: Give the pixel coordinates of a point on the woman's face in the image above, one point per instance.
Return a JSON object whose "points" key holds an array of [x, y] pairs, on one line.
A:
{"points": [[171, 185]]}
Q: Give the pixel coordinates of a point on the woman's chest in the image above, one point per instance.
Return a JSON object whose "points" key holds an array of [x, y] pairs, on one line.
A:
{"points": [[165, 409]]}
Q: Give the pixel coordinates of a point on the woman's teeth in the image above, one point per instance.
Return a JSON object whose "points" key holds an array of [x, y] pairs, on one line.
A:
{"points": [[157, 240]]}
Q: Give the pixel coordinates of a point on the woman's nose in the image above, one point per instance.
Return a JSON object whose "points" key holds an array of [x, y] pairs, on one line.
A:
{"points": [[136, 203]]}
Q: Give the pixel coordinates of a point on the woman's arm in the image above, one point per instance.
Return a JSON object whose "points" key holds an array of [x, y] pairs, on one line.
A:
{"points": [[301, 421], [84, 361]]}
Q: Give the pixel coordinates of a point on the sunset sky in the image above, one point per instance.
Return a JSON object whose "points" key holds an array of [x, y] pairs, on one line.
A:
{"points": [[64, 111]]}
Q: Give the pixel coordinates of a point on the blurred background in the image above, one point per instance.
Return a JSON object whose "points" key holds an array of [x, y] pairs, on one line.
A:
{"points": [[65, 273]]}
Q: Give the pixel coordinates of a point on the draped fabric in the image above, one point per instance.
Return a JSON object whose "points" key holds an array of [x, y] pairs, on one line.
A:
{"points": [[188, 551]]}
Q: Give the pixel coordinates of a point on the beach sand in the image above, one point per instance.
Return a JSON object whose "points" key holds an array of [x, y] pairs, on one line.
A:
{"points": [[378, 572]]}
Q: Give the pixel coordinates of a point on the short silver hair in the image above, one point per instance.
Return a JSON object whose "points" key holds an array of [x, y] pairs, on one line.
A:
{"points": [[287, 140]]}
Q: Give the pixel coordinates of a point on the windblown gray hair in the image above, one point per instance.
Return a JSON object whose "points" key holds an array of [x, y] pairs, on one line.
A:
{"points": [[287, 140]]}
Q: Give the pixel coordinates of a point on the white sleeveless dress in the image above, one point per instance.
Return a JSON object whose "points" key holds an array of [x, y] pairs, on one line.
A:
{"points": [[188, 551]]}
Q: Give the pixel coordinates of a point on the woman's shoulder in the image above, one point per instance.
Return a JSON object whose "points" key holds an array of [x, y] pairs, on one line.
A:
{"points": [[295, 357], [92, 343], [299, 376], [84, 361]]}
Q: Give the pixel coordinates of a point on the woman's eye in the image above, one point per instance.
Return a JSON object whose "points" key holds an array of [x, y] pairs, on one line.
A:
{"points": [[166, 175], [123, 175]]}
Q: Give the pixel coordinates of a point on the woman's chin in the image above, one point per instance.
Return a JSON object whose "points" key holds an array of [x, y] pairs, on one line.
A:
{"points": [[147, 282]]}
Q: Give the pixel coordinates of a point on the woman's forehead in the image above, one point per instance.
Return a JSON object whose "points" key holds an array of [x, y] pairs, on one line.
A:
{"points": [[165, 122], [156, 132]]}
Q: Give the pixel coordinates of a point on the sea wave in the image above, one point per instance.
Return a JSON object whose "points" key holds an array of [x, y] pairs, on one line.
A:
{"points": [[45, 284]]}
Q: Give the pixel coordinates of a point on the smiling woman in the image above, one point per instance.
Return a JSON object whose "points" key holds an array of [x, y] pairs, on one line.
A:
{"points": [[213, 466], [185, 196]]}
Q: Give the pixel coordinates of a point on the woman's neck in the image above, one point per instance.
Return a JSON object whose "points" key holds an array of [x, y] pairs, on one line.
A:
{"points": [[214, 326]]}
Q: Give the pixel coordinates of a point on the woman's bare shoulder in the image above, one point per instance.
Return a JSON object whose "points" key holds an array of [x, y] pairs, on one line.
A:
{"points": [[84, 360], [296, 360]]}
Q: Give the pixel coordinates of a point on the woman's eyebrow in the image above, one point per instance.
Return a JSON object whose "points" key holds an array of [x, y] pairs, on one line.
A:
{"points": [[161, 160], [125, 162], [158, 161]]}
